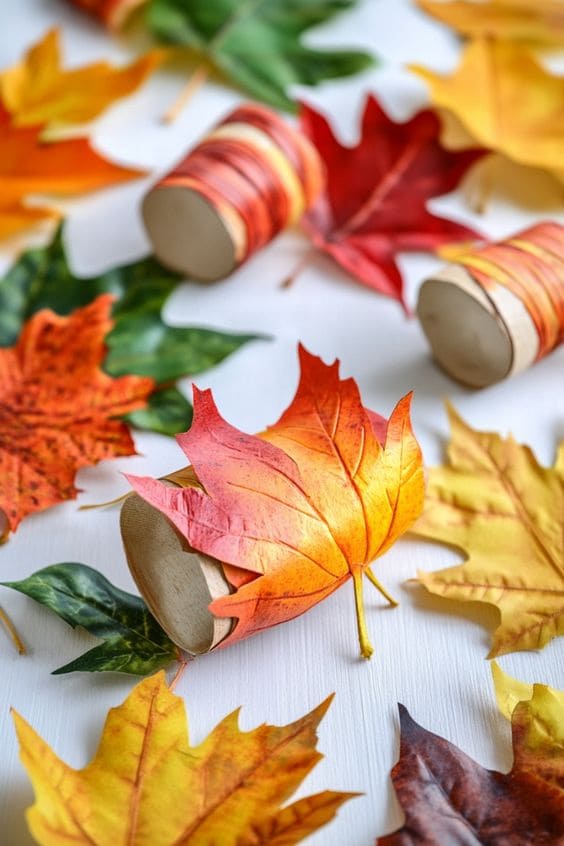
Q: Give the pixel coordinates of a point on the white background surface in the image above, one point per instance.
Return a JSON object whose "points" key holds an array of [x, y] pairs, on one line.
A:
{"points": [[430, 654]]}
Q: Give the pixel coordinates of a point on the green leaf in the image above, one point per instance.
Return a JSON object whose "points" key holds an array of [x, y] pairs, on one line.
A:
{"points": [[168, 412], [133, 640], [140, 343], [145, 346], [257, 43], [42, 278]]}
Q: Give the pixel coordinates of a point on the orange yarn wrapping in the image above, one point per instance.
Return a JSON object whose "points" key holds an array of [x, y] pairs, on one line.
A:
{"points": [[257, 171], [531, 266]]}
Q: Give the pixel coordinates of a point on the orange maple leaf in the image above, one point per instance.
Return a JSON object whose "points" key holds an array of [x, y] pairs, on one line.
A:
{"points": [[296, 511], [58, 409], [28, 166]]}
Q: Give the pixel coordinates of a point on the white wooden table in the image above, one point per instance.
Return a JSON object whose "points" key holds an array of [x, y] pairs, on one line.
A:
{"points": [[430, 654]]}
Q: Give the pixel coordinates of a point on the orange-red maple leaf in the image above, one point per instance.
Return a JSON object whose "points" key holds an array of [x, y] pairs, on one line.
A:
{"points": [[58, 409], [296, 511], [28, 166]]}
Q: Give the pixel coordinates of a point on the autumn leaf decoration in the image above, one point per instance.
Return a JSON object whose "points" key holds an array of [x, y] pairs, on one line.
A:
{"points": [[58, 410], [446, 795], [519, 112], [537, 21], [374, 206], [295, 511], [146, 786], [499, 506], [38, 96]]}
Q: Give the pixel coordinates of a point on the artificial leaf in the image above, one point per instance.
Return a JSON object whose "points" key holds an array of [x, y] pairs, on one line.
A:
{"points": [[37, 90], [113, 13], [133, 640], [537, 716], [29, 167], [538, 21], [140, 342], [498, 505], [375, 202], [449, 798], [146, 786], [257, 46], [299, 509], [520, 108], [58, 409]]}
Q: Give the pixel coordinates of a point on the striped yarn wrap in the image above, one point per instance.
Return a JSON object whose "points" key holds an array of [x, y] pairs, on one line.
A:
{"points": [[257, 172], [531, 266]]}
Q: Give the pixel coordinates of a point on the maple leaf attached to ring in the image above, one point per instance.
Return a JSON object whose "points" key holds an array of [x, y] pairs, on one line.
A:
{"points": [[297, 510]]}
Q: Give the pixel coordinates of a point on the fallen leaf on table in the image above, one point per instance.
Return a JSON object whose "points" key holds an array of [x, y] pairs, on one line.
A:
{"points": [[538, 730], [299, 509], [113, 13], [496, 503], [449, 798], [146, 786], [375, 203], [133, 640], [258, 46], [537, 21], [30, 167], [140, 342], [58, 409], [502, 96], [37, 90]]}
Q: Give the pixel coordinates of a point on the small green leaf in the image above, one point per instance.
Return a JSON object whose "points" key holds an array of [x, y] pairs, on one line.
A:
{"points": [[81, 596], [145, 346], [257, 43], [168, 412]]}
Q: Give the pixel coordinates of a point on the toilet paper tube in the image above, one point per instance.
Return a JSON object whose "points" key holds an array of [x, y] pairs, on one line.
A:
{"points": [[253, 176], [496, 310]]}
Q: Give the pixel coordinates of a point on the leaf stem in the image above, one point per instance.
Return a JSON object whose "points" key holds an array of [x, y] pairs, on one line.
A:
{"points": [[182, 664], [379, 586], [18, 643], [366, 649], [194, 83], [300, 266]]}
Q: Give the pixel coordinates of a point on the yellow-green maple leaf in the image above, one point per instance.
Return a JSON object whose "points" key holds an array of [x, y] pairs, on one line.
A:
{"points": [[496, 503], [146, 786]]}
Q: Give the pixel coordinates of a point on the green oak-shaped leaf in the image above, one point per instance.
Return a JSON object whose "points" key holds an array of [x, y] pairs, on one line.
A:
{"points": [[140, 343], [257, 43], [133, 641]]}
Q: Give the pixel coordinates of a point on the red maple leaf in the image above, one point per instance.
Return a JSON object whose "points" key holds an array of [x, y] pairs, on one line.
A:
{"points": [[374, 205], [58, 409]]}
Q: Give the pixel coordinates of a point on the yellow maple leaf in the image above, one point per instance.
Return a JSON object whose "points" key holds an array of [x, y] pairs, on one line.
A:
{"points": [[496, 503], [537, 717], [536, 21], [146, 786], [37, 90], [504, 100]]}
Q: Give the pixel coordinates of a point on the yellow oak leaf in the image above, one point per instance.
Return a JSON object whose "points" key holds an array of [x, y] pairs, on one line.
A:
{"points": [[496, 503], [535, 21], [537, 718], [37, 90], [504, 99], [146, 786]]}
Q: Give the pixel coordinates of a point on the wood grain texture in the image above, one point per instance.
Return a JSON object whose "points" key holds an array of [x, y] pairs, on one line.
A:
{"points": [[426, 655]]}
